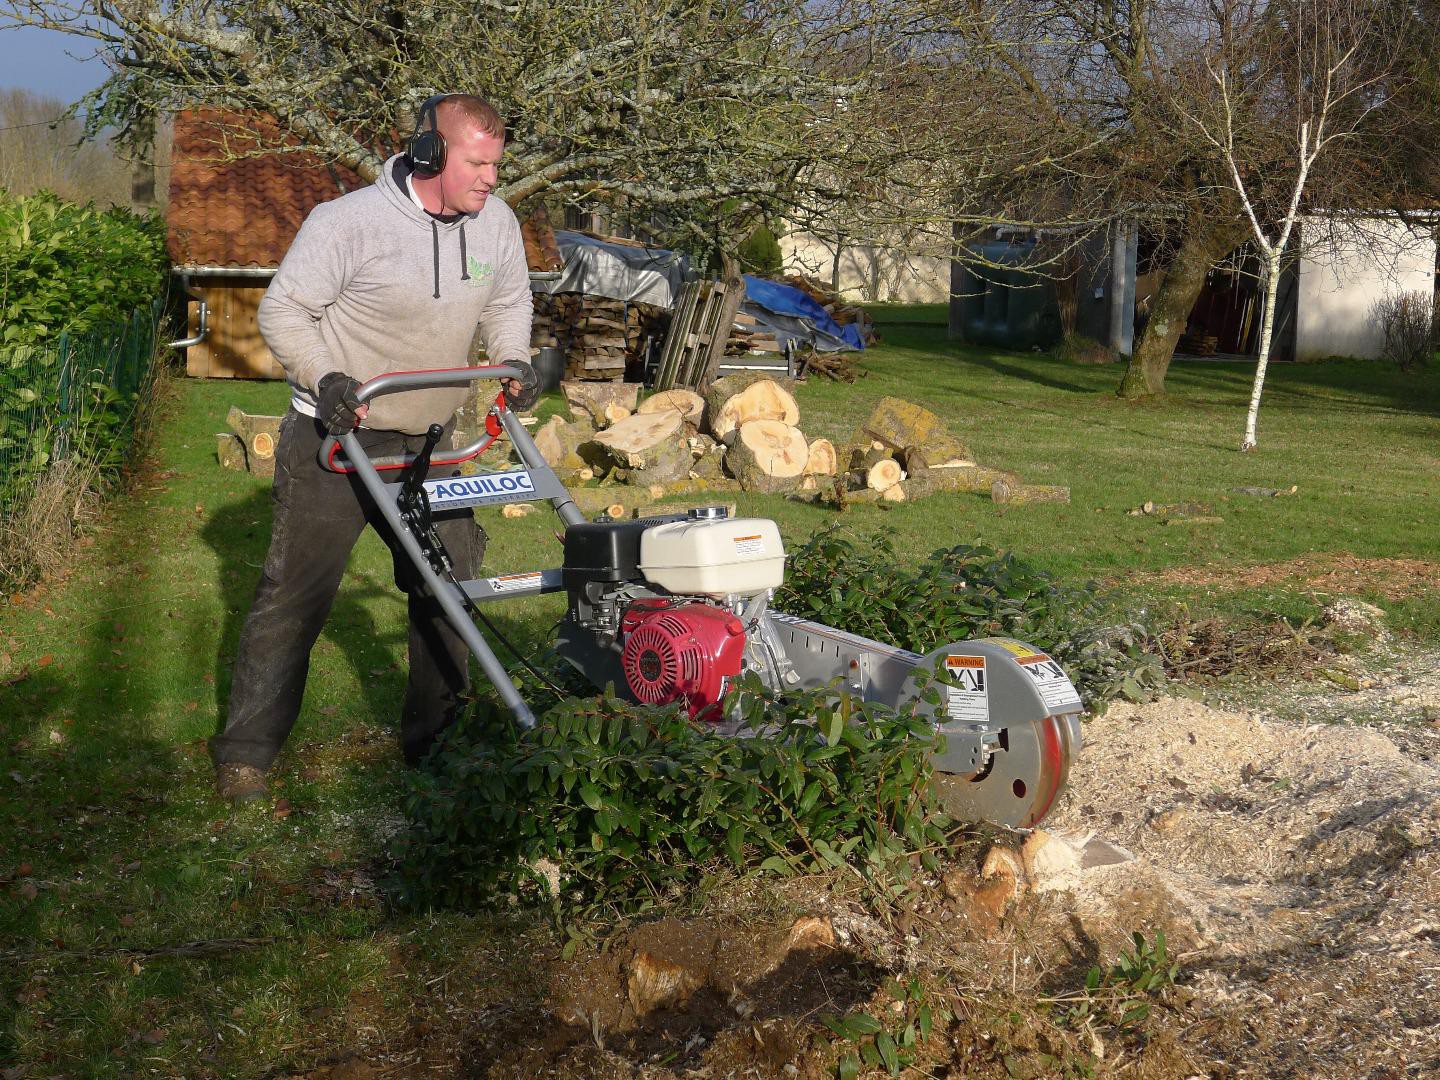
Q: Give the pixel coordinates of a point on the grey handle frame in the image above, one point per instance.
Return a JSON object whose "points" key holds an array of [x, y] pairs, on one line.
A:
{"points": [[451, 597]]}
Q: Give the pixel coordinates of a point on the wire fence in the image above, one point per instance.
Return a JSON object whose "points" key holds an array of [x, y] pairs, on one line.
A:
{"points": [[76, 400]]}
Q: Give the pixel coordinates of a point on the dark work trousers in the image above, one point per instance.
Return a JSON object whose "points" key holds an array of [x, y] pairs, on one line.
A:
{"points": [[319, 515]]}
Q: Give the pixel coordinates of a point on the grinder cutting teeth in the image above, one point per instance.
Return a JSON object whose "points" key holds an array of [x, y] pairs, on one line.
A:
{"points": [[672, 609]]}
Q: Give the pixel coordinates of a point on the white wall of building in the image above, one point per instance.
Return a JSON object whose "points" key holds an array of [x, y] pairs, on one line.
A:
{"points": [[869, 273], [1343, 272]]}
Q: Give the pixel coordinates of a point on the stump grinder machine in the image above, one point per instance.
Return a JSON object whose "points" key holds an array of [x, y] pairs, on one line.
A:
{"points": [[672, 608]]}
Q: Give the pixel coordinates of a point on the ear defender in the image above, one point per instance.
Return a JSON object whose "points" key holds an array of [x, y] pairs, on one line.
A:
{"points": [[427, 145]]}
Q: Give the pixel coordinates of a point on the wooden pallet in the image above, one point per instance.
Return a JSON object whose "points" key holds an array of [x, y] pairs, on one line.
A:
{"points": [[699, 328]]}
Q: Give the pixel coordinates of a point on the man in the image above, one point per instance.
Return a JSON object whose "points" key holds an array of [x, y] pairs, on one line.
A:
{"points": [[396, 276]]}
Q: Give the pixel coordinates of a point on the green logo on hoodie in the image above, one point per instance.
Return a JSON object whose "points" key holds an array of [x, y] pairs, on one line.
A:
{"points": [[480, 273]]}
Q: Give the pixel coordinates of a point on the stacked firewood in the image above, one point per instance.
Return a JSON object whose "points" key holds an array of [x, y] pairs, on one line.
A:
{"points": [[600, 335], [747, 335]]}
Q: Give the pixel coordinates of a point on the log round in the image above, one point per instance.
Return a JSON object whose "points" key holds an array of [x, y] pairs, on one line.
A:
{"points": [[823, 460], [650, 447], [767, 456], [689, 404], [883, 475], [763, 399]]}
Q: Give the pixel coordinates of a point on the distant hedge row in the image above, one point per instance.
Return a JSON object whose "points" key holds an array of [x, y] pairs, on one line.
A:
{"points": [[71, 268]]}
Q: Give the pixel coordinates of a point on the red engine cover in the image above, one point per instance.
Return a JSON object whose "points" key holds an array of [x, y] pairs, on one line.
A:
{"points": [[680, 653]]}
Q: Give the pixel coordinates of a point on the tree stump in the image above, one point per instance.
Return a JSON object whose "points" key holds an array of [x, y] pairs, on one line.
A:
{"points": [[767, 456], [259, 434]]}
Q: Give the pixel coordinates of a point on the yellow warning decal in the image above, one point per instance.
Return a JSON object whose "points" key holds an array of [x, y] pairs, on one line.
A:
{"points": [[1010, 645]]}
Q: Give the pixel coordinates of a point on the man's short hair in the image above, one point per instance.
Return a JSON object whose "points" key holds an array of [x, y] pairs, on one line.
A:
{"points": [[475, 110]]}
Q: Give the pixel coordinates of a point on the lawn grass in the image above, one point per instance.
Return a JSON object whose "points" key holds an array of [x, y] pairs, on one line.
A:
{"points": [[115, 854]]}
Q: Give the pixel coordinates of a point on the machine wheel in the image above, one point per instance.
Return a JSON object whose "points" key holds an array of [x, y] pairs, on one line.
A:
{"points": [[1022, 780]]}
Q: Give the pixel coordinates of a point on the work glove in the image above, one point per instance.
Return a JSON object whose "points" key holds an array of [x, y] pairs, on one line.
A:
{"points": [[522, 393], [339, 409]]}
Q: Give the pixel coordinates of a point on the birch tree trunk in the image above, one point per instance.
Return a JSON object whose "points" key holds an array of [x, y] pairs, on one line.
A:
{"points": [[1267, 330]]}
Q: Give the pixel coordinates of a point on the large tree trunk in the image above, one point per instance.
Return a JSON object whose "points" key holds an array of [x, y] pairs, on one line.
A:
{"points": [[1202, 245]]}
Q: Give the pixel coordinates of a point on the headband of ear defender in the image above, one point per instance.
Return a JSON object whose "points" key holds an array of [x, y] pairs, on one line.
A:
{"points": [[427, 145]]}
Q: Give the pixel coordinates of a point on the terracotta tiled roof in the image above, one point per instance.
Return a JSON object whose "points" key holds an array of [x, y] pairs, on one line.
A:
{"points": [[245, 213], [240, 213]]}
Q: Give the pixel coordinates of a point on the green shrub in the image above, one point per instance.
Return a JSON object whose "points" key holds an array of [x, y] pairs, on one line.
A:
{"points": [[857, 583], [73, 268], [634, 804], [760, 253]]}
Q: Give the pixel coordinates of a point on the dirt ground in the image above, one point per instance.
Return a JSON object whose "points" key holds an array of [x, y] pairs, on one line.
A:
{"points": [[1289, 849]]}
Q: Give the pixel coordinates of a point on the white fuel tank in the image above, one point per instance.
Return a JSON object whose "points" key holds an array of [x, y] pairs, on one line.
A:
{"points": [[712, 558]]}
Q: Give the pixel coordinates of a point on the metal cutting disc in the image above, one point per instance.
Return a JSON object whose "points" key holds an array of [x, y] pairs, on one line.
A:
{"points": [[1021, 782]]}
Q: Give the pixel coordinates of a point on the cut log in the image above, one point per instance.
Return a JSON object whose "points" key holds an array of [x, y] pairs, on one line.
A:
{"points": [[517, 510], [1002, 491], [689, 404], [883, 475], [649, 447], [585, 397], [559, 443], [898, 424], [260, 435], [731, 403], [968, 478], [230, 449], [823, 461], [894, 493], [767, 455]]}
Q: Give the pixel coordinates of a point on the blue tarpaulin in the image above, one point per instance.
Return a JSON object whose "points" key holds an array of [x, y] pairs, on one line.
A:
{"points": [[793, 315]]}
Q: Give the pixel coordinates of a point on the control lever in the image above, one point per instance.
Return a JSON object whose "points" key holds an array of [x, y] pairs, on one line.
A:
{"points": [[415, 504]]}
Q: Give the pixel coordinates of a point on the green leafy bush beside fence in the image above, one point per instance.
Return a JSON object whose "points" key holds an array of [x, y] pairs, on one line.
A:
{"points": [[80, 296], [71, 269]]}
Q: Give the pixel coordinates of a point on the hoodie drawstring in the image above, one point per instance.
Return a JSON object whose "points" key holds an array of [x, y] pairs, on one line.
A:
{"points": [[435, 237], [464, 263]]}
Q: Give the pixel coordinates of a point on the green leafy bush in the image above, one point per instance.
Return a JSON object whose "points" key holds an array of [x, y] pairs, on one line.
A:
{"points": [[631, 804], [858, 583], [65, 267]]}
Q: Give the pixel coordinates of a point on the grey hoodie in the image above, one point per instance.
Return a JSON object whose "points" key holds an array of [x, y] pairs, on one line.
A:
{"points": [[373, 284]]}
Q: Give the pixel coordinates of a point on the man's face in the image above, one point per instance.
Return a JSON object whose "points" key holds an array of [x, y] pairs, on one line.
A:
{"points": [[472, 168]]}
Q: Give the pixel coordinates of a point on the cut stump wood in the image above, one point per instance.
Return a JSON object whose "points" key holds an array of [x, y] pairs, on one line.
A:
{"points": [[650, 447], [883, 475], [689, 404], [585, 398], [740, 398], [823, 461], [767, 456], [1006, 493], [898, 423], [260, 435]]}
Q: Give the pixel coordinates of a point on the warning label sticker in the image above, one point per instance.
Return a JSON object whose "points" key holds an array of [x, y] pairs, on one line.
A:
{"points": [[515, 582], [967, 696], [1050, 679], [750, 545], [1010, 645]]}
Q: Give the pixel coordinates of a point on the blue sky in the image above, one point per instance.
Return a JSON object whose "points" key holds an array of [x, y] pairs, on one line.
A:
{"points": [[36, 60]]}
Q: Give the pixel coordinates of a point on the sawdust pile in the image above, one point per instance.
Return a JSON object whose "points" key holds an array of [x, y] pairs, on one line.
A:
{"points": [[1297, 866]]}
